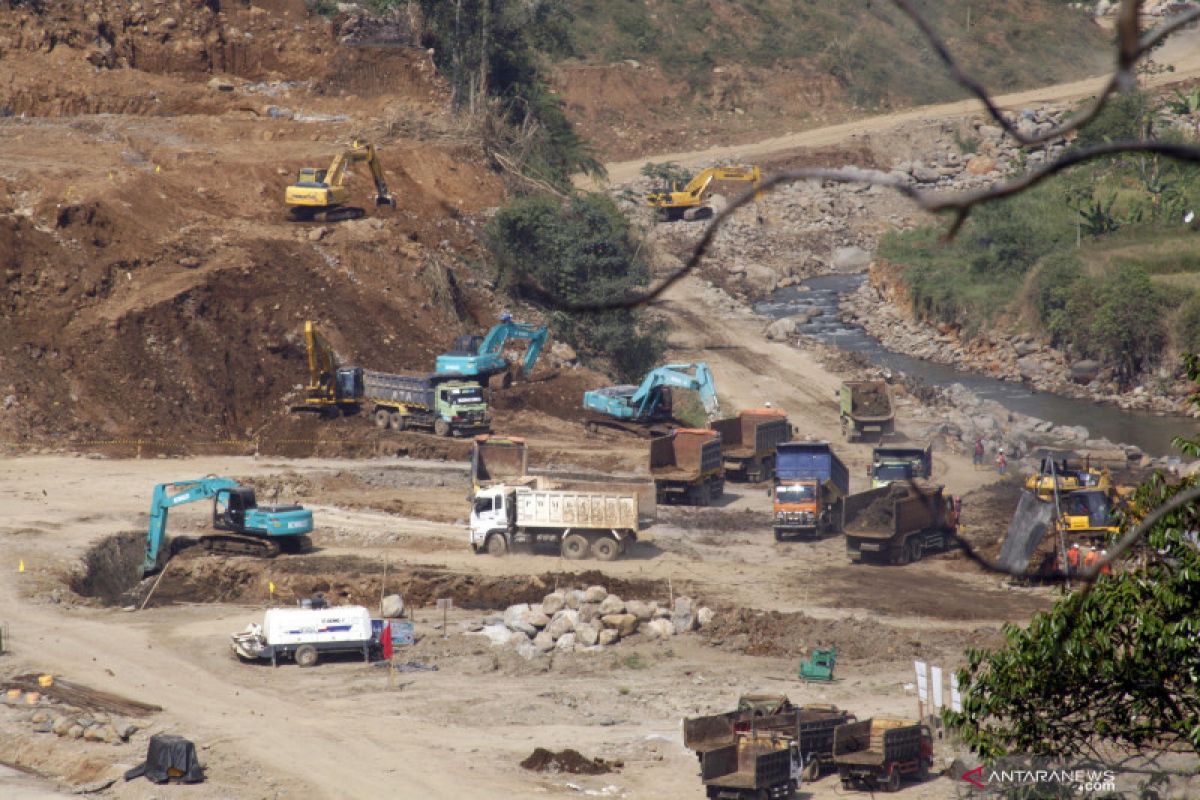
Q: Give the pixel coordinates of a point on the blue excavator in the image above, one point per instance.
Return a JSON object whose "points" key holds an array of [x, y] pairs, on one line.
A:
{"points": [[246, 527], [482, 357], [647, 409]]}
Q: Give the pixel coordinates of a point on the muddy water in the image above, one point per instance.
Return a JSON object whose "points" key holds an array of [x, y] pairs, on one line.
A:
{"points": [[1149, 432]]}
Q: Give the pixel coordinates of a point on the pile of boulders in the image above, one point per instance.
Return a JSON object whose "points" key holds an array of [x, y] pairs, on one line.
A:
{"points": [[69, 722], [589, 619]]}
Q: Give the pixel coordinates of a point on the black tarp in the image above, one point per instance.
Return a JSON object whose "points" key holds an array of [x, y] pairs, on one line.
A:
{"points": [[169, 757]]}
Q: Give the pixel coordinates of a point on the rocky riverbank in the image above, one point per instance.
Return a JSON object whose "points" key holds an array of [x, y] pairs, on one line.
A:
{"points": [[881, 306]]}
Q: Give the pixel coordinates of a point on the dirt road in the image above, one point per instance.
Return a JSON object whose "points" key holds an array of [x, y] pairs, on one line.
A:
{"points": [[1181, 53]]}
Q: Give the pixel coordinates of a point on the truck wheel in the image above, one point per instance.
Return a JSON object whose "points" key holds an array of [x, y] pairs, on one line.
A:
{"points": [[441, 427], [606, 548], [399, 421], [779, 537], [914, 550], [893, 781], [382, 418], [900, 554], [306, 655], [812, 770], [923, 770], [496, 545], [575, 546]]}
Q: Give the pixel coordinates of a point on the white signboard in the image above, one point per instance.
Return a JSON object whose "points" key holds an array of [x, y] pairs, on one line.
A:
{"points": [[955, 697], [935, 675], [922, 682]]}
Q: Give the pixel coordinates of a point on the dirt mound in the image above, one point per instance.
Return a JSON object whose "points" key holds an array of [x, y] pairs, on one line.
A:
{"points": [[558, 395], [864, 641], [871, 401], [568, 760], [111, 575]]}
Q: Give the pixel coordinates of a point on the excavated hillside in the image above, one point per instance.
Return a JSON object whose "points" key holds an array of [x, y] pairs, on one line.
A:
{"points": [[151, 283]]}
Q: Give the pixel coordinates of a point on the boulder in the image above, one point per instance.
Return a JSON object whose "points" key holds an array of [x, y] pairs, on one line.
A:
{"points": [[563, 622], [553, 603], [514, 614], [610, 636], [658, 629], [612, 605], [589, 612], [576, 598], [564, 353], [1085, 371], [683, 617], [642, 610], [783, 329], [625, 624], [61, 725], [544, 642], [851, 259], [704, 616], [95, 733], [925, 174], [126, 729], [566, 642], [75, 732], [595, 594], [587, 635], [760, 279], [392, 606], [527, 649], [536, 618]]}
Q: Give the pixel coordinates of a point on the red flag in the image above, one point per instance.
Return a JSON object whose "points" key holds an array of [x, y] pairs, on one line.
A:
{"points": [[387, 641]]}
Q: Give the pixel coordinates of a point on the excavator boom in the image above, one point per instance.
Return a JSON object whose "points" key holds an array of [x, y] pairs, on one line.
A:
{"points": [[645, 403], [489, 359]]}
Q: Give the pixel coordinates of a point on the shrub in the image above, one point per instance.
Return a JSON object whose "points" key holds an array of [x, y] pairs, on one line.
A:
{"points": [[579, 252]]}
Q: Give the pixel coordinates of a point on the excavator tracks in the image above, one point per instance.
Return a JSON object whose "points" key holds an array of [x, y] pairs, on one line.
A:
{"points": [[232, 544]]}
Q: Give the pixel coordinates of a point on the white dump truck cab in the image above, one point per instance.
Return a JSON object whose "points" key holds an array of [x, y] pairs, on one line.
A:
{"points": [[491, 513]]}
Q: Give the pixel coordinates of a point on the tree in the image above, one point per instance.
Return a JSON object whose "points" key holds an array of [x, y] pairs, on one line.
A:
{"points": [[1116, 666], [1127, 328], [575, 252], [488, 49]]}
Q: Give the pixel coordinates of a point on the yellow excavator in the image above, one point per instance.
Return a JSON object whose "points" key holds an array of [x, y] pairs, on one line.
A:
{"points": [[333, 390], [321, 193], [1057, 471], [691, 202]]}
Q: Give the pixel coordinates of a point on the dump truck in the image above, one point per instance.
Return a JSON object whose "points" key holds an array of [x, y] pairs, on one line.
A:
{"points": [[879, 753], [811, 726], [748, 443], [576, 523], [810, 483], [686, 466], [498, 459], [902, 522], [447, 407], [757, 765], [866, 410], [900, 464], [302, 634]]}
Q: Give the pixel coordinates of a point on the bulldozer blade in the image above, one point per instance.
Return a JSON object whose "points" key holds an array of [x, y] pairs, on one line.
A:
{"points": [[1030, 523]]}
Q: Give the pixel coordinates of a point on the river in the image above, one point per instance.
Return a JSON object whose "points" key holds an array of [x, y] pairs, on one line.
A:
{"points": [[1147, 431]]}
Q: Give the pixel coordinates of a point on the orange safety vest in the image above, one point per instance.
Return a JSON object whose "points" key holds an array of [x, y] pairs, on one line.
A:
{"points": [[1090, 559], [1073, 558]]}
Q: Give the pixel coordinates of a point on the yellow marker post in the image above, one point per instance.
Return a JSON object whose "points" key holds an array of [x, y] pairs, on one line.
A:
{"points": [[21, 565], [271, 589]]}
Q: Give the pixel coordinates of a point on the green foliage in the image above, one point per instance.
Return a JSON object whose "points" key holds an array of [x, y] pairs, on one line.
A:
{"points": [[490, 49], [668, 174], [1117, 666], [1189, 325], [1126, 329], [580, 252], [326, 8], [1124, 116], [1185, 104], [1054, 285]]}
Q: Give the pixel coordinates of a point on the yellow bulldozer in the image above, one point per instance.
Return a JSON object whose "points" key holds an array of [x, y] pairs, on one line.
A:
{"points": [[692, 201], [322, 193], [1057, 471]]}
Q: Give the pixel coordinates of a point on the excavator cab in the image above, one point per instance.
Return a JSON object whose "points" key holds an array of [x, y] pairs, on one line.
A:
{"points": [[310, 176], [230, 507]]}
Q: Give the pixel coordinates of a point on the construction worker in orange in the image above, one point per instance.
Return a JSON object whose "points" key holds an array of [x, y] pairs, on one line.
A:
{"points": [[1073, 559], [1090, 558], [1107, 568]]}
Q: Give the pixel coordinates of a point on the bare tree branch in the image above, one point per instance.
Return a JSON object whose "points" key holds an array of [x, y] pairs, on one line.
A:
{"points": [[960, 203]]}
